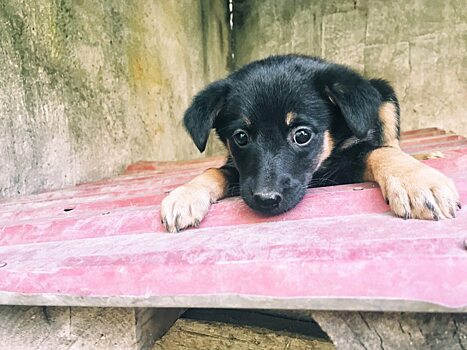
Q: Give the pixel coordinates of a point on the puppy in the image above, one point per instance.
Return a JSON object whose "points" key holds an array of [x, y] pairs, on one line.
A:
{"points": [[293, 122]]}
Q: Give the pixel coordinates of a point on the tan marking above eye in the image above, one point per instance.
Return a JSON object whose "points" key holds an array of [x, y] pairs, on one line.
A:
{"points": [[246, 120], [289, 118], [328, 146]]}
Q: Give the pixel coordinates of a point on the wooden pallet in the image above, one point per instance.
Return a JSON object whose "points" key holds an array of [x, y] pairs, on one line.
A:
{"points": [[102, 244]]}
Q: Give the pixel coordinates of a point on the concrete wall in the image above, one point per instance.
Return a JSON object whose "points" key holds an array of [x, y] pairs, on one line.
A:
{"points": [[89, 86], [420, 46]]}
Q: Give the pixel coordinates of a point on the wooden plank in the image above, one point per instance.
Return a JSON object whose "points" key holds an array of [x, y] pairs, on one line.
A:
{"points": [[419, 132], [32, 327], [424, 133], [174, 165], [387, 330], [377, 330], [274, 320], [436, 146], [102, 244], [151, 193], [356, 199], [430, 140], [357, 258], [190, 334]]}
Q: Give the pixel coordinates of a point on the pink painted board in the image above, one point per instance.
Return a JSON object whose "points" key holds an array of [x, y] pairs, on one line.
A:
{"points": [[421, 132], [340, 249], [407, 137], [150, 192], [365, 258]]}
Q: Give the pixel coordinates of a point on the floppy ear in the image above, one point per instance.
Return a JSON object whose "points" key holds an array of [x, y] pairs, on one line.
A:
{"points": [[356, 98], [200, 116]]}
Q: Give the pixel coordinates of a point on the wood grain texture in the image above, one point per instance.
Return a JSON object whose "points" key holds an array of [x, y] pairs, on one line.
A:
{"points": [[388, 331], [191, 335], [66, 328]]}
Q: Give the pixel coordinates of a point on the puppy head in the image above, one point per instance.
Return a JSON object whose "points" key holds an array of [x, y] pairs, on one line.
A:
{"points": [[278, 118]]}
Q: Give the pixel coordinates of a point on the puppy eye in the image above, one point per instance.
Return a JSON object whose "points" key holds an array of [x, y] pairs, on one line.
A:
{"points": [[302, 136], [241, 138]]}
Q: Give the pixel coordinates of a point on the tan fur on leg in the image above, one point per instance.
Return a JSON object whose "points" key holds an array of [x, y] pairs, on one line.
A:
{"points": [[413, 189], [188, 204]]}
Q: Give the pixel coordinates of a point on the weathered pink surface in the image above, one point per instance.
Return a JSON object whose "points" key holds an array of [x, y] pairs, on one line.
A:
{"points": [[341, 248]]}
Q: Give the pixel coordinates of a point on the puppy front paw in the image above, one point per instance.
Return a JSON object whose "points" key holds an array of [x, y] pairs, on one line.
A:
{"points": [[421, 193], [185, 207]]}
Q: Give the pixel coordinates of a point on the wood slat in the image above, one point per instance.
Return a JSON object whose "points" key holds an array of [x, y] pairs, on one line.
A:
{"points": [[102, 244], [369, 257], [346, 200], [150, 192]]}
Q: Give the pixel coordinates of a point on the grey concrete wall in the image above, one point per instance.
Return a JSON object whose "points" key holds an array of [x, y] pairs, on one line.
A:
{"points": [[420, 46], [89, 86]]}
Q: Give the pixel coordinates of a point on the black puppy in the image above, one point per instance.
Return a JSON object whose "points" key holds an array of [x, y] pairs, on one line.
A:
{"points": [[290, 122]]}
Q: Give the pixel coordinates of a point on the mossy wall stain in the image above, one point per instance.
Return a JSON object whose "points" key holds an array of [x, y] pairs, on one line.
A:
{"points": [[88, 87]]}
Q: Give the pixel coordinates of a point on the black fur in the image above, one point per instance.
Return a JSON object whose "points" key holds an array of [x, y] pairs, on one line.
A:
{"points": [[271, 171], [199, 118]]}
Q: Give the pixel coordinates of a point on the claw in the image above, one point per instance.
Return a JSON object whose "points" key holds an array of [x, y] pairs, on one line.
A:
{"points": [[452, 212], [429, 205], [177, 223], [164, 222], [434, 211]]}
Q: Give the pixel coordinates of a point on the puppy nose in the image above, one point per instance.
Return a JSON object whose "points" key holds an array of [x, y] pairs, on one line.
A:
{"points": [[267, 200]]}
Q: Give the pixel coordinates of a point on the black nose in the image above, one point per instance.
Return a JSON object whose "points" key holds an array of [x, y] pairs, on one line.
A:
{"points": [[267, 200]]}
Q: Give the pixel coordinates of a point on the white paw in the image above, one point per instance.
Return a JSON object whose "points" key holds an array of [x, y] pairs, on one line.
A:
{"points": [[185, 207]]}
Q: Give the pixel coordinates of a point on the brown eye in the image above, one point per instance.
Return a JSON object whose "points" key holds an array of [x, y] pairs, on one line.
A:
{"points": [[241, 138], [302, 136]]}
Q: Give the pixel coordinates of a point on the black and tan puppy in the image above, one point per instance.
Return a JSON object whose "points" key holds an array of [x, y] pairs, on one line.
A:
{"points": [[291, 122]]}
